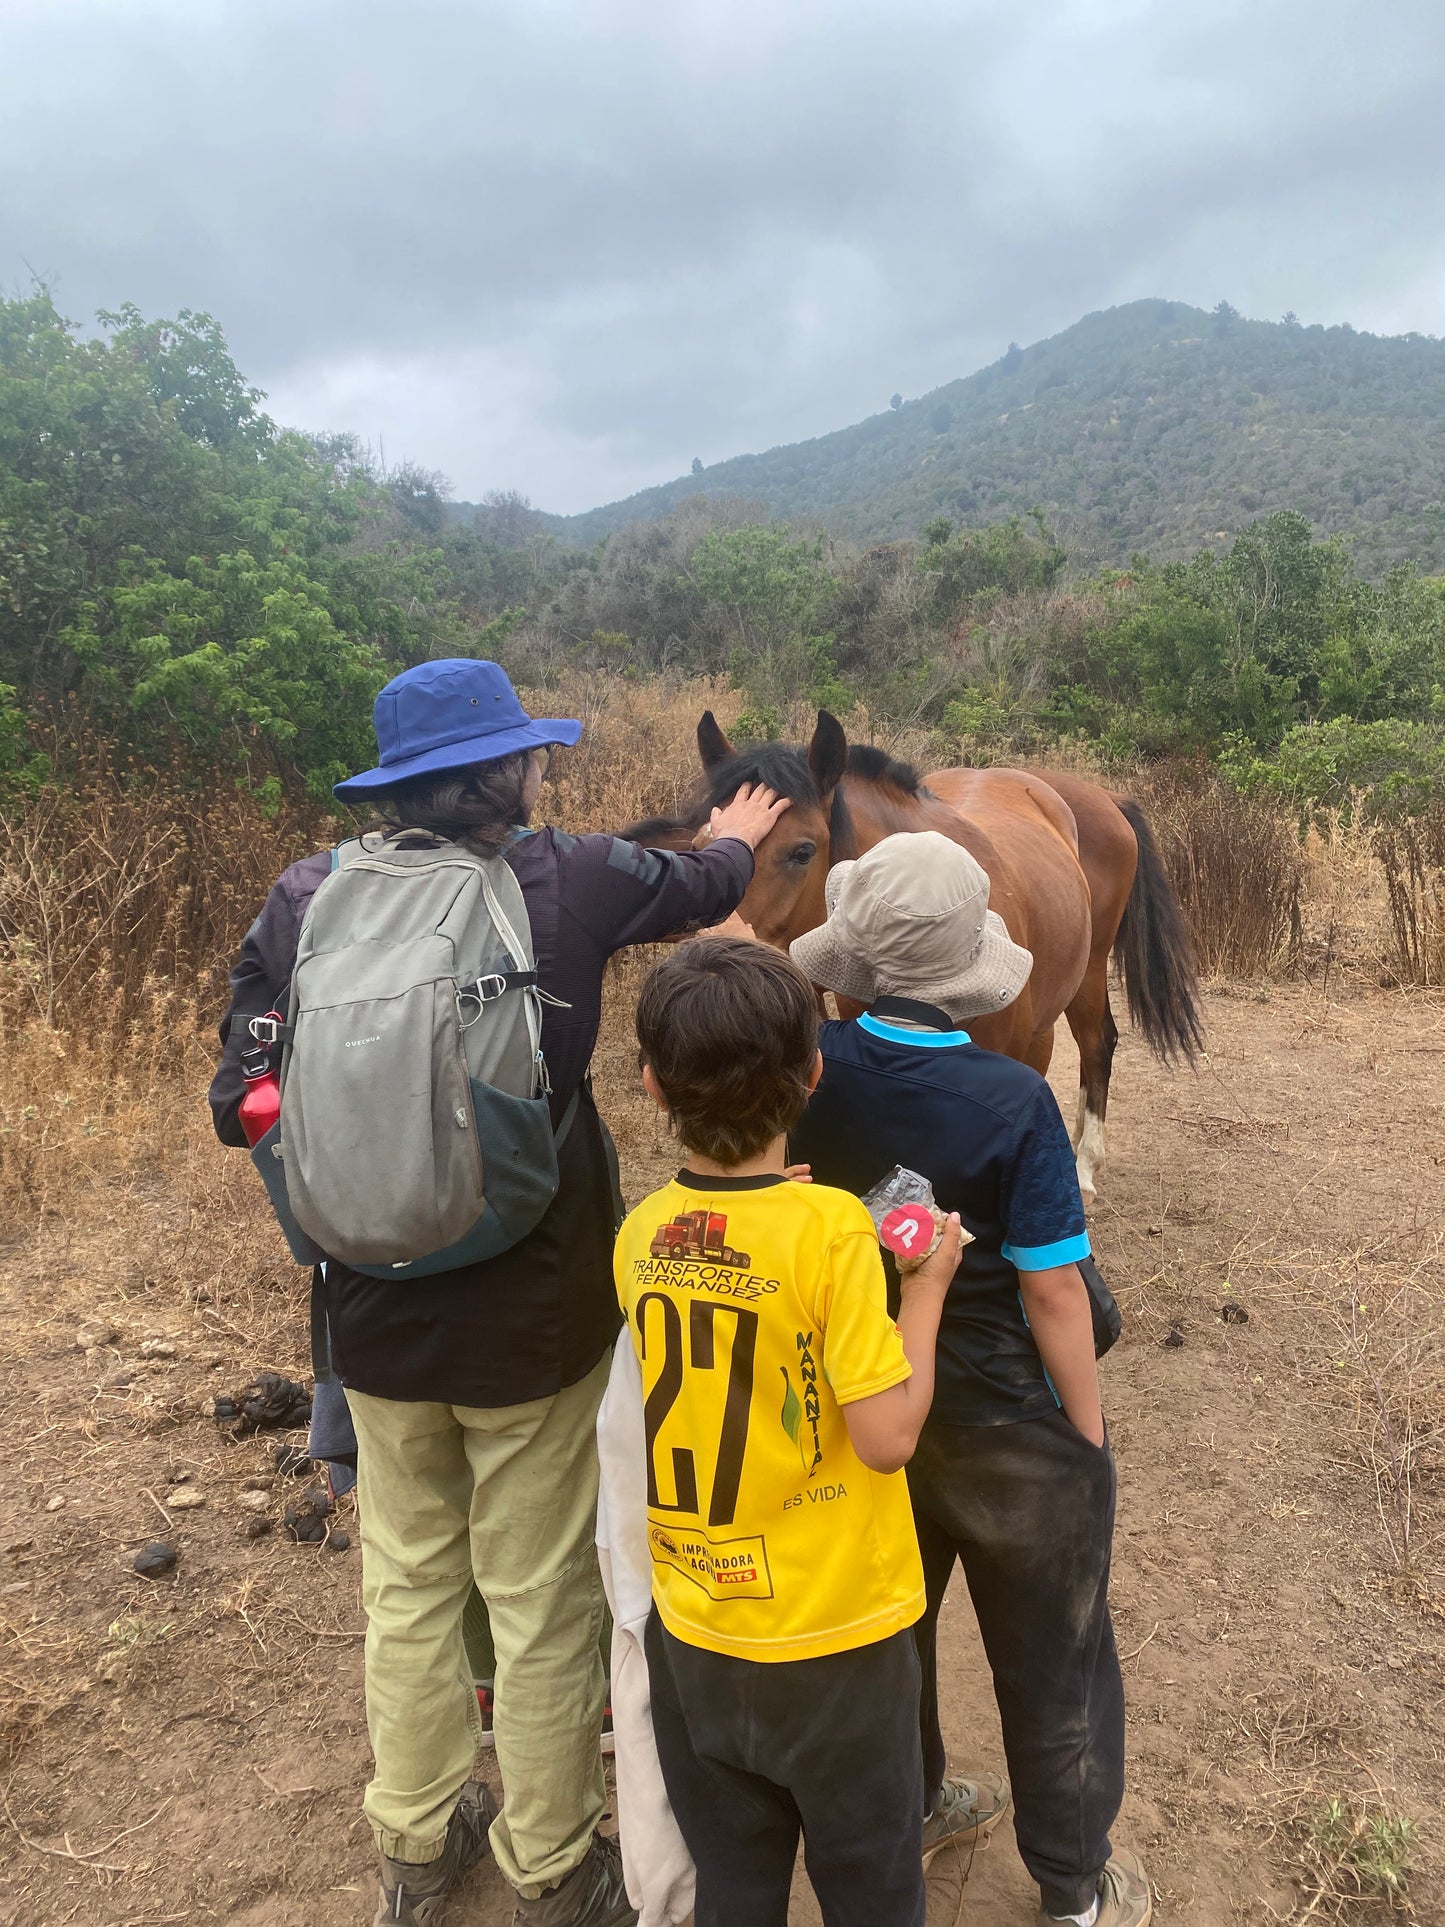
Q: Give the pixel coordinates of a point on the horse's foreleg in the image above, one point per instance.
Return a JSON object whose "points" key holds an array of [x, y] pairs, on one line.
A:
{"points": [[1096, 1034]]}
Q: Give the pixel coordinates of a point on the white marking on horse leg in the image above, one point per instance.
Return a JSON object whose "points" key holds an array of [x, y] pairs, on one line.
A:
{"points": [[1081, 1112], [1089, 1154]]}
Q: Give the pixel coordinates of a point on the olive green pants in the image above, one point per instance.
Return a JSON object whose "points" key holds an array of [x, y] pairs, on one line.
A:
{"points": [[508, 1496], [481, 1648]]}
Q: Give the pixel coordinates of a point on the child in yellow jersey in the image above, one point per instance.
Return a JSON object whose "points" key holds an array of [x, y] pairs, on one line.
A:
{"points": [[781, 1402]]}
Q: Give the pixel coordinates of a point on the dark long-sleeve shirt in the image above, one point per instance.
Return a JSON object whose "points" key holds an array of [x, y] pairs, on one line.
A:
{"points": [[538, 1317]]}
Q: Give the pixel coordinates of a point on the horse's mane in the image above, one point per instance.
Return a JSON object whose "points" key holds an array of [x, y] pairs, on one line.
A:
{"points": [[873, 765], [780, 767]]}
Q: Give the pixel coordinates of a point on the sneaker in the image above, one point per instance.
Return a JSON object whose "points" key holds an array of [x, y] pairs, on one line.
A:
{"points": [[592, 1895], [965, 1813], [487, 1702], [412, 1891], [1124, 1896]]}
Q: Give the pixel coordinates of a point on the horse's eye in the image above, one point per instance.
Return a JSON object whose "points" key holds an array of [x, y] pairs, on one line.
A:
{"points": [[802, 854]]}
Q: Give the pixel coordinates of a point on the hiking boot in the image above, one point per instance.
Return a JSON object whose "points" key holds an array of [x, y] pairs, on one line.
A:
{"points": [[592, 1895], [1124, 1896], [412, 1891], [965, 1813]]}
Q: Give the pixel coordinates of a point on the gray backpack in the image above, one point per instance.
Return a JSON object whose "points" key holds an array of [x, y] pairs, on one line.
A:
{"points": [[415, 1133]]}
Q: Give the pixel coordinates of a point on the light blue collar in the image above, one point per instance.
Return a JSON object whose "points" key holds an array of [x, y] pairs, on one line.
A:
{"points": [[904, 1034]]}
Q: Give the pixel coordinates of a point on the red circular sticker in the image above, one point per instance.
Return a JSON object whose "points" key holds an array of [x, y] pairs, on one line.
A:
{"points": [[907, 1230]]}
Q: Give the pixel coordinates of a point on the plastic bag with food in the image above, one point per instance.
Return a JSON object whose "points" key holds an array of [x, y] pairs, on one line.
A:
{"points": [[907, 1218]]}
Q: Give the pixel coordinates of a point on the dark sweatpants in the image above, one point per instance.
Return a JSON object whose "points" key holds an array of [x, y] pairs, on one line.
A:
{"points": [[753, 1753], [1029, 1511]]}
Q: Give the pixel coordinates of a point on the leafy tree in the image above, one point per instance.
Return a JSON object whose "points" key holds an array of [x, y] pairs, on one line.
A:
{"points": [[188, 364], [1379, 771], [1242, 647], [1008, 558], [216, 594], [768, 584], [772, 592], [238, 660], [507, 518], [420, 496], [205, 585]]}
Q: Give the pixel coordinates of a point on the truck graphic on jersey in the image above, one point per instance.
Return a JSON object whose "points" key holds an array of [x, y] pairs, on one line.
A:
{"points": [[698, 1234]]}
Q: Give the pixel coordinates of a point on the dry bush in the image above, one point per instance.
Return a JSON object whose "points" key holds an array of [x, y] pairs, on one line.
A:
{"points": [[115, 880], [1392, 1339], [124, 897], [1346, 918], [89, 1105], [1237, 865], [1412, 856], [638, 754]]}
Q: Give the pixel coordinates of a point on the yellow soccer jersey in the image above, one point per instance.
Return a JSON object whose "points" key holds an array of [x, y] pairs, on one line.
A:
{"points": [[757, 1308]]}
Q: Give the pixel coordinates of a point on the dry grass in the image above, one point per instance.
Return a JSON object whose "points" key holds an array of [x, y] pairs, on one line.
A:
{"points": [[638, 753], [1237, 865], [123, 898], [1412, 856], [1278, 1658], [115, 880]]}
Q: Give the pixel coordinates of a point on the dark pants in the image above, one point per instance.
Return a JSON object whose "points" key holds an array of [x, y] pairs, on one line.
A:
{"points": [[1029, 1511], [754, 1753]]}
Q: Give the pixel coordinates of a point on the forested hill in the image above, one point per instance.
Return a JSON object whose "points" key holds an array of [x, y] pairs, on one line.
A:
{"points": [[1153, 426]]}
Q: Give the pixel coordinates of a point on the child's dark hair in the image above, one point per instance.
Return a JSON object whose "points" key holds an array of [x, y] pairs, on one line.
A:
{"points": [[730, 1030]]}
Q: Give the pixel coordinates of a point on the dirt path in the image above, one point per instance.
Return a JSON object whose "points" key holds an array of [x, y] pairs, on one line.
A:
{"points": [[193, 1749]]}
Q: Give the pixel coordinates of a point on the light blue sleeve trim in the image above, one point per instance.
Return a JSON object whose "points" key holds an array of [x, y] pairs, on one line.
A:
{"points": [[1067, 1251], [900, 1034]]}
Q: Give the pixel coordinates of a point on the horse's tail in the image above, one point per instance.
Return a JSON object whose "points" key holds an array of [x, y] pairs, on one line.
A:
{"points": [[1156, 956]]}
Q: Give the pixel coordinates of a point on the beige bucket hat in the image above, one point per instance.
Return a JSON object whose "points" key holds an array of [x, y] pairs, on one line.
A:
{"points": [[911, 919]]}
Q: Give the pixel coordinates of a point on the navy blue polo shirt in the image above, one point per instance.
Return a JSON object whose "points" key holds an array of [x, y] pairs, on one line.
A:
{"points": [[986, 1132]]}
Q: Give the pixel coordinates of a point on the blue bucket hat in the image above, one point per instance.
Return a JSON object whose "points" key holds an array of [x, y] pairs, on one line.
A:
{"points": [[450, 715]]}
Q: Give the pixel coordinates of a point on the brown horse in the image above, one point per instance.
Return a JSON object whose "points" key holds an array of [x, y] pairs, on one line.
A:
{"points": [[1072, 870]]}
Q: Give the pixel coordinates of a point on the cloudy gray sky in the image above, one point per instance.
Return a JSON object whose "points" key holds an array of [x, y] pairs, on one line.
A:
{"points": [[566, 245]]}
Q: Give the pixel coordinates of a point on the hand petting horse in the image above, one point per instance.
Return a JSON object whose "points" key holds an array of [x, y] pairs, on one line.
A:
{"points": [[1072, 867]]}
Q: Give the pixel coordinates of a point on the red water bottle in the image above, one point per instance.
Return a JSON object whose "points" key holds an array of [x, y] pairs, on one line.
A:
{"points": [[261, 1105]]}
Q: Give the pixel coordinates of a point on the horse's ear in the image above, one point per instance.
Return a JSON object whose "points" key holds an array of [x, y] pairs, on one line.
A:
{"points": [[713, 746], [828, 753]]}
